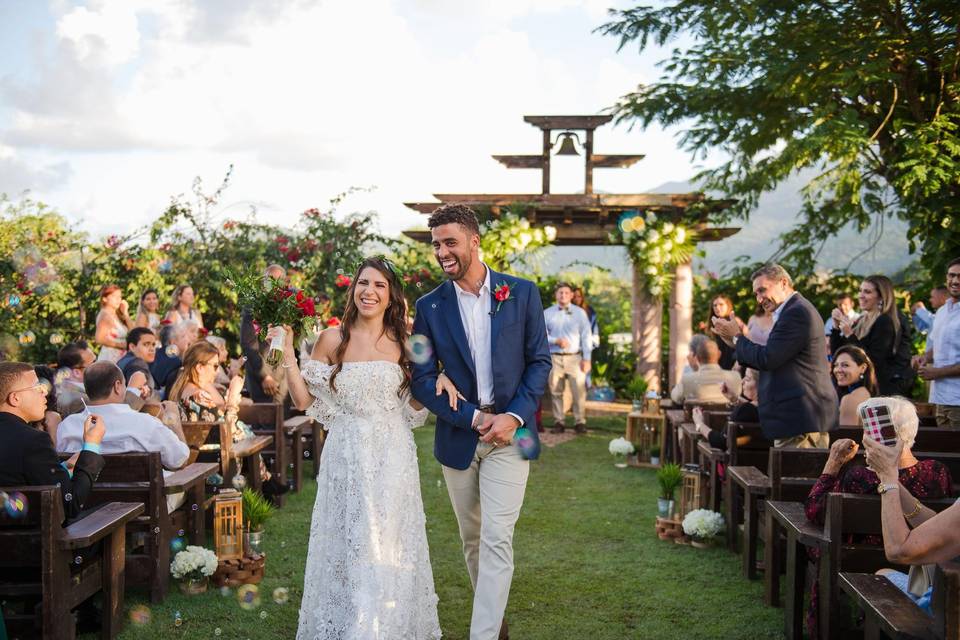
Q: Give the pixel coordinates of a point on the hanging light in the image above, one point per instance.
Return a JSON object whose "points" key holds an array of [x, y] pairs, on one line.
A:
{"points": [[567, 147]]}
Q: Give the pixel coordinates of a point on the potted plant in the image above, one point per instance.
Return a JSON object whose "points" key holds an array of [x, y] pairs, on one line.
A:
{"points": [[702, 525], [192, 567], [621, 447], [256, 511], [655, 454], [669, 476], [601, 390], [636, 390]]}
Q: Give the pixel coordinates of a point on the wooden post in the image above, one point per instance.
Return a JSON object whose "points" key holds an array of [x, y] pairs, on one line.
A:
{"points": [[681, 321], [647, 315], [588, 152], [546, 161]]}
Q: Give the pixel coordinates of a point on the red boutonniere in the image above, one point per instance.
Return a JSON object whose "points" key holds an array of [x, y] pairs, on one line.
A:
{"points": [[501, 294]]}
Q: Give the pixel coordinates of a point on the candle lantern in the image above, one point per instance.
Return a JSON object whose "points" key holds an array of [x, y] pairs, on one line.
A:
{"points": [[690, 489], [228, 525]]}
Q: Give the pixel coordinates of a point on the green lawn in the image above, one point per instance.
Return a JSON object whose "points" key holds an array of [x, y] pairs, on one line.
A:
{"points": [[588, 564]]}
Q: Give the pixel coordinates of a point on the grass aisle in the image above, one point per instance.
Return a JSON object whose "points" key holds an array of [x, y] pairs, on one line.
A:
{"points": [[588, 564]]}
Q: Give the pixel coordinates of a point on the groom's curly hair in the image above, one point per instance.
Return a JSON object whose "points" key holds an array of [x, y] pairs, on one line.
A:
{"points": [[454, 213]]}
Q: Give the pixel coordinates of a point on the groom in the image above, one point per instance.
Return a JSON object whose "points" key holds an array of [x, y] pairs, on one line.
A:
{"points": [[488, 332]]}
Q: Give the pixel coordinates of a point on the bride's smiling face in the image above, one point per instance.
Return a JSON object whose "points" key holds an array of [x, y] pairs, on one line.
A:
{"points": [[371, 294]]}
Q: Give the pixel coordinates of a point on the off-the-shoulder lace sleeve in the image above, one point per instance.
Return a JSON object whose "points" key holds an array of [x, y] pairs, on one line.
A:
{"points": [[317, 376], [412, 418]]}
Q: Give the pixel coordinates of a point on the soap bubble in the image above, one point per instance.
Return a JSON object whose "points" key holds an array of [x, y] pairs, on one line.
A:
{"points": [[140, 615], [61, 376], [13, 300], [239, 482], [26, 338], [16, 504], [225, 591], [47, 386], [172, 350], [26, 256], [215, 480], [263, 615], [217, 632], [3, 499], [281, 596], [166, 266], [419, 348], [248, 596], [78, 560], [56, 338], [177, 619], [177, 545], [525, 442]]}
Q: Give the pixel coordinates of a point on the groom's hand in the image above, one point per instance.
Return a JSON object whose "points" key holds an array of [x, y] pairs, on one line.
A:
{"points": [[486, 421], [502, 430]]}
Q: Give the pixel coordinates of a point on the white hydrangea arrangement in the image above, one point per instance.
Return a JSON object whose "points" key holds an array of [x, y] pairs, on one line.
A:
{"points": [[656, 246], [702, 523], [621, 447], [193, 563]]}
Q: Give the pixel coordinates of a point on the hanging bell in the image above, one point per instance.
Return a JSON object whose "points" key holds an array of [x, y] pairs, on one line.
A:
{"points": [[567, 147]]}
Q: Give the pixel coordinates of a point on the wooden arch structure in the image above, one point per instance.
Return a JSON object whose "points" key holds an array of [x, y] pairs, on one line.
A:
{"points": [[588, 218]]}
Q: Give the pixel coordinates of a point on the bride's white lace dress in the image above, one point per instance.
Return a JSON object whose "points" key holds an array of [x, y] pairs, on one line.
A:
{"points": [[368, 572]]}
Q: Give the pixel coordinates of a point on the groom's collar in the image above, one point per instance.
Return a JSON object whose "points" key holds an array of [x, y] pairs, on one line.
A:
{"points": [[456, 288]]}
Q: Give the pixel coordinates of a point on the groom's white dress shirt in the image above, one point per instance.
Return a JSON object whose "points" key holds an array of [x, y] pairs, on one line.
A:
{"points": [[475, 314]]}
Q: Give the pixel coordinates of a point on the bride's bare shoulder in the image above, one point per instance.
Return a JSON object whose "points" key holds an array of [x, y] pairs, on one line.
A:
{"points": [[326, 345]]}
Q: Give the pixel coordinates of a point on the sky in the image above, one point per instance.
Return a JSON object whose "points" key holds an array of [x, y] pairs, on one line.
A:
{"points": [[110, 107]]}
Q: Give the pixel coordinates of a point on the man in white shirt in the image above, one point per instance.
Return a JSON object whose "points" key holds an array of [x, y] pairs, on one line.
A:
{"points": [[130, 431], [568, 334], [941, 363]]}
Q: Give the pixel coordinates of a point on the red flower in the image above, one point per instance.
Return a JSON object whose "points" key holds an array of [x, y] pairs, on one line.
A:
{"points": [[333, 322], [166, 321], [307, 307], [256, 326], [229, 224], [293, 255], [502, 293], [343, 281], [282, 240], [203, 331], [299, 297]]}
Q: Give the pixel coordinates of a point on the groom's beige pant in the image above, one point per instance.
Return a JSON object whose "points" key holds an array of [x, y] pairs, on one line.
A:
{"points": [[487, 498]]}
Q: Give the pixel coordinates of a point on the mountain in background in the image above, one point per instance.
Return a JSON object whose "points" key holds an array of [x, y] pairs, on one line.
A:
{"points": [[884, 250]]}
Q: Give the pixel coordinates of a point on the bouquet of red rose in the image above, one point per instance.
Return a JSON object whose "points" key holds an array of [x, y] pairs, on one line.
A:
{"points": [[273, 303]]}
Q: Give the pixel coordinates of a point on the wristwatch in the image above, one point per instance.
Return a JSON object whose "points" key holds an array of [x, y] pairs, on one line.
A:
{"points": [[882, 488]]}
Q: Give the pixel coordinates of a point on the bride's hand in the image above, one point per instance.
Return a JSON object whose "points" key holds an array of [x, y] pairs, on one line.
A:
{"points": [[444, 384], [273, 331]]}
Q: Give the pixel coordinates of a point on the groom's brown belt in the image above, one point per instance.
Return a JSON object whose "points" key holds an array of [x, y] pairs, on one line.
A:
{"points": [[487, 408]]}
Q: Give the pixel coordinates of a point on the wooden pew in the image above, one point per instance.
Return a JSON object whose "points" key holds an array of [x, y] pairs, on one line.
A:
{"points": [[311, 434], [746, 447], [851, 515], [669, 450], [41, 580], [213, 441], [266, 419], [928, 438], [891, 612]]}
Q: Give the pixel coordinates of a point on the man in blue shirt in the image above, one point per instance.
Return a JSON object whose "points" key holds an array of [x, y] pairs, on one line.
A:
{"points": [[923, 317], [568, 334]]}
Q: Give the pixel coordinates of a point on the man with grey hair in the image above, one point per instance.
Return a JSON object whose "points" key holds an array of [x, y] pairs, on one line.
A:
{"points": [[174, 340], [705, 383], [797, 401]]}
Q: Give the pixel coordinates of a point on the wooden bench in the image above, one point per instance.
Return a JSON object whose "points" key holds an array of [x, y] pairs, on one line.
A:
{"points": [[266, 418], [928, 438], [668, 437], [311, 434], [246, 451], [891, 612], [233, 457], [139, 477], [851, 515], [41, 580], [746, 447]]}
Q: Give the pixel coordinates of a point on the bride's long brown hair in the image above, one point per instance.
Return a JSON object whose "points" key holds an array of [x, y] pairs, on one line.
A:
{"points": [[394, 319]]}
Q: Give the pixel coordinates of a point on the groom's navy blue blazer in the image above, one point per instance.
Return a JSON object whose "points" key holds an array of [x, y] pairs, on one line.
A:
{"points": [[520, 357]]}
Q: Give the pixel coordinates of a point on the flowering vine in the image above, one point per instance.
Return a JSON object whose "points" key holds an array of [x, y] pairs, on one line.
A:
{"points": [[655, 246]]}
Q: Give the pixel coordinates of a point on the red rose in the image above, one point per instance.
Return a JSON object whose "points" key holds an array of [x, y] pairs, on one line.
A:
{"points": [[502, 293], [333, 322], [299, 297], [256, 326], [307, 307], [293, 255], [203, 331], [343, 281]]}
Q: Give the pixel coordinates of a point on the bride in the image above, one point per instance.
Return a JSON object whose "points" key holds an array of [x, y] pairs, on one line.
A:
{"points": [[368, 572]]}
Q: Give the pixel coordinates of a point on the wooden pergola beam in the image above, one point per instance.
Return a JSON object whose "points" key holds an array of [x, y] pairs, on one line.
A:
{"points": [[579, 234], [615, 161], [567, 122], [585, 200]]}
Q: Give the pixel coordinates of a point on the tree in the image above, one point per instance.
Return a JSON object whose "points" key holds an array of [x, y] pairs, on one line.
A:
{"points": [[867, 94]]}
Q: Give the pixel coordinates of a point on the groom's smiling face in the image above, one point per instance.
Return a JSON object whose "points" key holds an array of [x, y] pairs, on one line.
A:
{"points": [[454, 247]]}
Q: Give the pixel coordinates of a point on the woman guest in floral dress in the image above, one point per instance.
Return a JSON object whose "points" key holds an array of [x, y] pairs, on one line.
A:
{"points": [[925, 479], [199, 400]]}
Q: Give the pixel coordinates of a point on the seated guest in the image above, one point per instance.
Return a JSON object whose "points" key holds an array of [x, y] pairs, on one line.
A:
{"points": [[925, 479], [51, 417], [225, 374], [199, 401], [141, 351], [72, 360], [744, 410], [856, 381], [703, 385], [722, 307], [882, 331], [27, 456], [175, 339], [130, 431]]}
